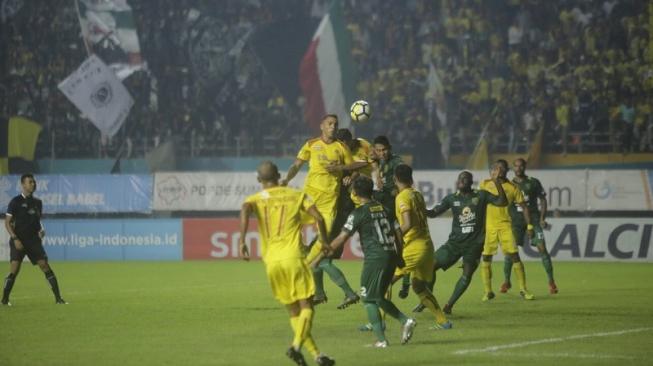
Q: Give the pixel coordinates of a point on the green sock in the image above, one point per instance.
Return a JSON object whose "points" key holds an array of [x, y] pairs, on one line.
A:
{"points": [[461, 286], [548, 265], [405, 281], [374, 317], [318, 276], [337, 277], [391, 309], [507, 268]]}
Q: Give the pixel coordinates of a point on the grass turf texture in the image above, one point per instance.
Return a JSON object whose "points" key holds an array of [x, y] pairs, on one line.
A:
{"points": [[223, 313]]}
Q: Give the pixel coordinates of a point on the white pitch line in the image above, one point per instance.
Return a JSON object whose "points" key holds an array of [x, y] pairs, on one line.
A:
{"points": [[563, 355], [548, 340]]}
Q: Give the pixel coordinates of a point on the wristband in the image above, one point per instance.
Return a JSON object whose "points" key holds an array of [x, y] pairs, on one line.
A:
{"points": [[529, 227]]}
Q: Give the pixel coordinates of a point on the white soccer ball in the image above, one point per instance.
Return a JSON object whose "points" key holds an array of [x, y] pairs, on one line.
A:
{"points": [[360, 111]]}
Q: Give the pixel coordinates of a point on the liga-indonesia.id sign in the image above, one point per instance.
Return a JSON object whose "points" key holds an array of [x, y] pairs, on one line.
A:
{"points": [[96, 91]]}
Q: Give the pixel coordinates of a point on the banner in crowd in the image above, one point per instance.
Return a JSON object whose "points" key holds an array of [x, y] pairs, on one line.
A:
{"points": [[96, 91], [113, 239], [85, 193], [18, 137], [109, 31]]}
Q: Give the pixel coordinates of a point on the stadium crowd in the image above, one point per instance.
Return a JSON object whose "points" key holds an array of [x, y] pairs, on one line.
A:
{"points": [[581, 69]]}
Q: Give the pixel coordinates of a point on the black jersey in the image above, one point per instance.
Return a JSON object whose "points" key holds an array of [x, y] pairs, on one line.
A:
{"points": [[25, 215]]}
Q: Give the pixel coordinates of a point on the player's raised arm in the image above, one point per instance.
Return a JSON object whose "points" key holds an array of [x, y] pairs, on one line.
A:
{"points": [[319, 220], [292, 171], [502, 200], [438, 209], [245, 210]]}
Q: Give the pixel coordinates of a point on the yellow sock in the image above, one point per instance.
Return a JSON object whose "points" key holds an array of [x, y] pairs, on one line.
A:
{"points": [[486, 275], [309, 343], [521, 274], [427, 299]]}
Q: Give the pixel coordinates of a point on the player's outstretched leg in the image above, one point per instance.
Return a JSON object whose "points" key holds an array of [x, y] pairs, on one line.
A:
{"points": [[420, 307], [339, 279], [548, 267], [428, 300], [405, 287], [301, 321], [507, 269], [9, 281], [52, 281]]}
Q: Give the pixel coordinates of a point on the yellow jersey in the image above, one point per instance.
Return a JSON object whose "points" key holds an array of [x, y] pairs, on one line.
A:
{"points": [[278, 212], [410, 199], [319, 155], [364, 153], [500, 216]]}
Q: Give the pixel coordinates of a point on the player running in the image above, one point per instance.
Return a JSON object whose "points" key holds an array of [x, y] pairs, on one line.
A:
{"points": [[533, 192], [465, 241], [278, 210]]}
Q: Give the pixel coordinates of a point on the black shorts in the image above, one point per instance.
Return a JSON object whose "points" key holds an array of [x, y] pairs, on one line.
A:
{"points": [[33, 249]]}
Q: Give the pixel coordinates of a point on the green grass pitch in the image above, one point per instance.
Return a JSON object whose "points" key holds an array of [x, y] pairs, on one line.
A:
{"points": [[223, 313]]}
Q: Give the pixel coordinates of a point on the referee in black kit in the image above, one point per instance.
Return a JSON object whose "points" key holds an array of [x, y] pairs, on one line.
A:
{"points": [[23, 222]]}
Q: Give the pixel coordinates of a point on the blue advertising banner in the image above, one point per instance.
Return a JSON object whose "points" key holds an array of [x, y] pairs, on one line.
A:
{"points": [[85, 193], [113, 239]]}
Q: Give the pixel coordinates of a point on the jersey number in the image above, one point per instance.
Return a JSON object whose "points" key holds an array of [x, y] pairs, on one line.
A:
{"points": [[383, 231]]}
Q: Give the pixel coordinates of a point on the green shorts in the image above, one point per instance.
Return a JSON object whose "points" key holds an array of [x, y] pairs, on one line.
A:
{"points": [[448, 254], [521, 236], [376, 277]]}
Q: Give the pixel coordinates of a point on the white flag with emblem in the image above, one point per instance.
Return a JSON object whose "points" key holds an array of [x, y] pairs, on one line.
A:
{"points": [[96, 91]]}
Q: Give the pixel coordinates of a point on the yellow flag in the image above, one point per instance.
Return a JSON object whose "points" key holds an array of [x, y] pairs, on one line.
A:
{"points": [[535, 152], [479, 160]]}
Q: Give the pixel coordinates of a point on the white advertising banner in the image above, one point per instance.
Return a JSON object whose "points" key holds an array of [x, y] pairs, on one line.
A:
{"points": [[573, 239], [96, 91], [567, 190], [207, 191], [620, 190]]}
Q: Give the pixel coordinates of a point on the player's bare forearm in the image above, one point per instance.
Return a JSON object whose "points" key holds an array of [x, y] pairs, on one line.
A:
{"points": [[355, 165], [338, 242], [436, 211], [292, 171], [503, 200], [321, 225], [407, 223], [245, 211], [8, 226], [399, 243]]}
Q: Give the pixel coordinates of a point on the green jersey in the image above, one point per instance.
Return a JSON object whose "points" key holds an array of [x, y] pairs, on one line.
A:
{"points": [[532, 190], [468, 225], [387, 171], [376, 228]]}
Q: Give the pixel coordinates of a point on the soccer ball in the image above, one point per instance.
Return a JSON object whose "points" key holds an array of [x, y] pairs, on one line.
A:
{"points": [[359, 111]]}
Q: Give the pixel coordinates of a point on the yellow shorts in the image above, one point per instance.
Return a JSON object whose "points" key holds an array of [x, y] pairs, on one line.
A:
{"points": [[496, 235], [291, 280], [418, 256], [326, 204]]}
